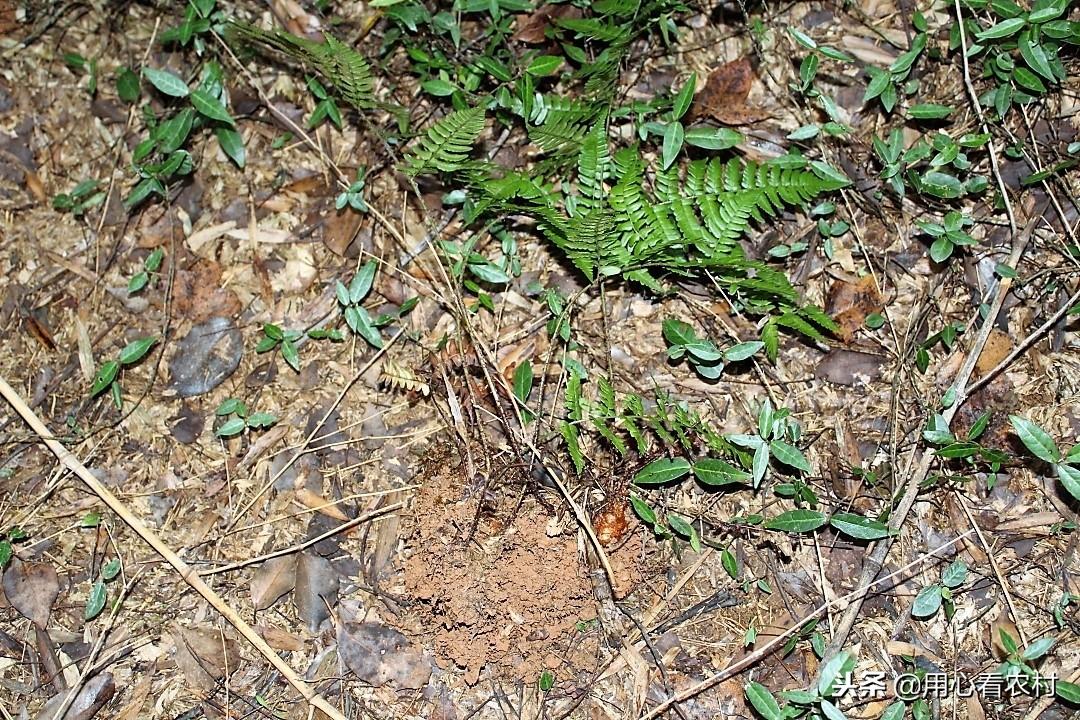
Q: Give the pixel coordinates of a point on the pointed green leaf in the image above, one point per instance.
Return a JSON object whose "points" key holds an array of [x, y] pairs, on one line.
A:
{"points": [[95, 603], [712, 138], [1069, 475], [763, 701], [232, 426], [209, 106], [1035, 439], [684, 98], [661, 471], [135, 350], [797, 521], [523, 381], [859, 527], [715, 473], [232, 144], [789, 455], [673, 142], [166, 82]]}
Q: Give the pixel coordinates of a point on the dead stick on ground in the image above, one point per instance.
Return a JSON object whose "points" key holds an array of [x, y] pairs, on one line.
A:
{"points": [[185, 571], [378, 512], [876, 560]]}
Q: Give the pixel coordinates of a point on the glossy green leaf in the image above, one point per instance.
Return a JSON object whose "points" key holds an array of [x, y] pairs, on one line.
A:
{"points": [[859, 527], [232, 426], [673, 142], [929, 111], [209, 106], [166, 82], [1003, 29], [743, 351], [797, 521], [127, 85], [523, 381], [789, 455], [927, 602], [1035, 439], [715, 473], [95, 603], [661, 471], [710, 138], [232, 144], [1069, 476], [362, 282], [106, 374], [135, 350], [544, 65], [684, 98], [763, 701]]}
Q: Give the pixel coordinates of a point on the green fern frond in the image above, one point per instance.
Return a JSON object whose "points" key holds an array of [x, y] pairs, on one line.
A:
{"points": [[349, 72], [597, 29], [333, 60], [594, 168], [559, 125], [447, 144]]}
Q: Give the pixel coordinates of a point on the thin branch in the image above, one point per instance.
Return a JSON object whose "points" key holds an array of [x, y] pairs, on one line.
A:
{"points": [[186, 572]]}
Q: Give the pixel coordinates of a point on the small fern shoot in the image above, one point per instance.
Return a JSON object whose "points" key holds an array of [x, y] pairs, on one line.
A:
{"points": [[447, 144], [336, 62]]}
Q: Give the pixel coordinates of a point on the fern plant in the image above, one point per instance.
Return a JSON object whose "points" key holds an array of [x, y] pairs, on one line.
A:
{"points": [[610, 225], [447, 144], [333, 60]]}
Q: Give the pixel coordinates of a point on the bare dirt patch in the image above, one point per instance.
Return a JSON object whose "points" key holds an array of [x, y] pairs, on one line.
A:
{"points": [[509, 597]]}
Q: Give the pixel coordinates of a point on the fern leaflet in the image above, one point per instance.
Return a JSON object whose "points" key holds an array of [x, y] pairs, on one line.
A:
{"points": [[447, 144], [336, 62]]}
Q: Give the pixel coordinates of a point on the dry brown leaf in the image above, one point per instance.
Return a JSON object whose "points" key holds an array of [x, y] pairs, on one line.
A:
{"points": [[998, 346], [975, 708], [849, 367], [91, 697], [724, 96], [272, 579], [133, 709], [31, 588], [850, 302], [1030, 521], [280, 639], [315, 501], [316, 589], [339, 230], [35, 186], [380, 655], [204, 655], [198, 294], [530, 28]]}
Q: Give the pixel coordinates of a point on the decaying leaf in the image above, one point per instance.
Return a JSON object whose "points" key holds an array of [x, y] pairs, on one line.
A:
{"points": [[91, 697], [530, 28], [380, 655], [850, 303], [205, 655], [31, 588], [849, 367], [273, 579], [397, 375], [724, 96], [997, 347], [280, 639], [316, 589]]}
